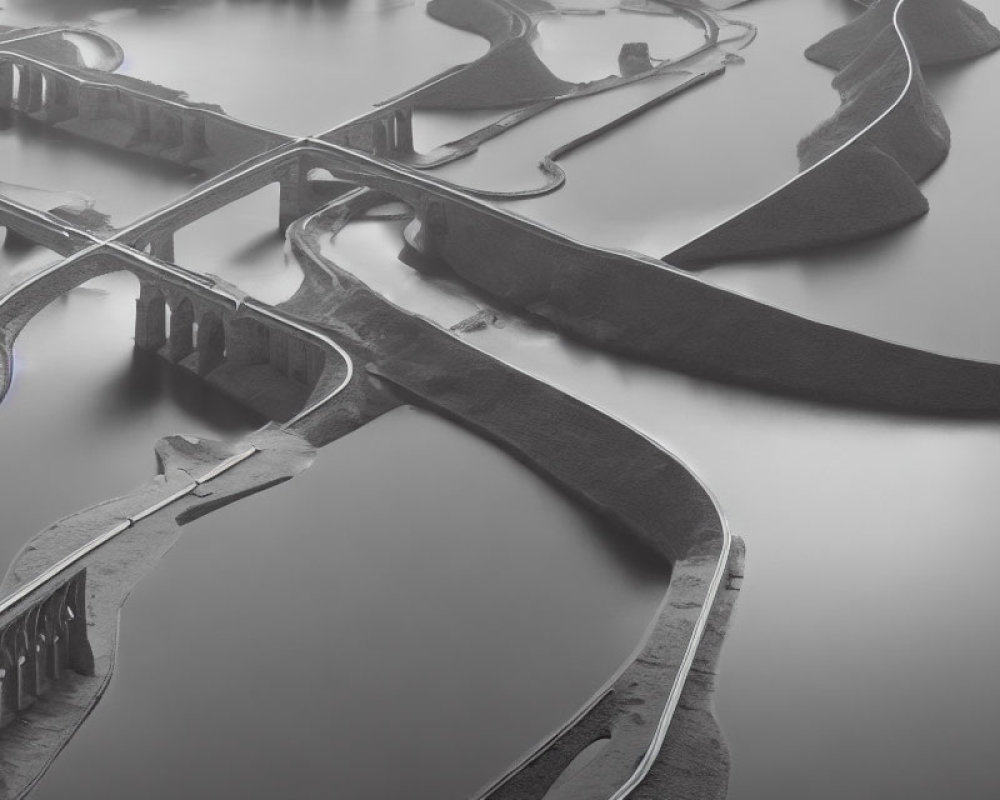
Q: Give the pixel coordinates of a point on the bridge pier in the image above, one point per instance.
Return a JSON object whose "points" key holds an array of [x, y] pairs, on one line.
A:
{"points": [[33, 88], [247, 342], [39, 660], [150, 318], [194, 138], [142, 126], [180, 342], [211, 345], [161, 247], [38, 647], [96, 102], [168, 130], [61, 100], [7, 76], [297, 197], [403, 124]]}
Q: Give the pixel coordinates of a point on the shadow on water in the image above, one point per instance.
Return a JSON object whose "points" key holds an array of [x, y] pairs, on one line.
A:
{"points": [[17, 245], [258, 247], [148, 382]]}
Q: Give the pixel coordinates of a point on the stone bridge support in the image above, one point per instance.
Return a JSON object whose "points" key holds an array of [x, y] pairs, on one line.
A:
{"points": [[250, 342], [8, 75], [202, 336], [298, 360], [298, 196], [194, 138], [61, 101], [392, 133], [384, 133], [150, 317], [39, 647], [211, 343], [427, 231], [140, 115], [30, 92], [159, 246], [168, 129], [180, 343], [97, 102]]}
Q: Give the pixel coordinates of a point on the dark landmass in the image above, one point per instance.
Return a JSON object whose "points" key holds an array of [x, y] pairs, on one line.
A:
{"points": [[915, 134], [940, 32], [510, 74], [642, 308], [887, 134], [628, 480]]}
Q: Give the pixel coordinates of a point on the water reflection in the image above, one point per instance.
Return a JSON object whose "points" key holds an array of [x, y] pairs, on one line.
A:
{"points": [[241, 244], [123, 185]]}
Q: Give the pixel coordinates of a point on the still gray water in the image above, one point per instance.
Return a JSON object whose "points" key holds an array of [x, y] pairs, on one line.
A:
{"points": [[84, 410], [863, 656], [930, 285], [430, 607], [862, 661]]}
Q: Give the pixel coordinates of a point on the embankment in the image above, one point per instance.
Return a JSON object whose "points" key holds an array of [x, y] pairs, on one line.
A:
{"points": [[632, 483], [642, 308]]}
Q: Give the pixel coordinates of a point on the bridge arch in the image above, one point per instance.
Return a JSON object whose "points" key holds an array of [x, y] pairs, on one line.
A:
{"points": [[177, 317]]}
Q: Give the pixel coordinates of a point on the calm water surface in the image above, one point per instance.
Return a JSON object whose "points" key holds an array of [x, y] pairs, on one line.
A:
{"points": [[685, 165], [931, 284], [586, 48], [863, 658], [403, 619], [84, 410], [299, 68]]}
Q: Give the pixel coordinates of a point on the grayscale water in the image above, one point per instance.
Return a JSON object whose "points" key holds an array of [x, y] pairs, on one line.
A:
{"points": [[585, 48], [863, 658], [404, 619], [298, 68], [684, 166], [930, 285], [84, 410]]}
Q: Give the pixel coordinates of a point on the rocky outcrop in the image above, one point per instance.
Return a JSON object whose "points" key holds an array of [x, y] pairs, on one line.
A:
{"points": [[914, 133], [940, 31], [863, 191], [633, 59], [861, 167], [510, 74]]}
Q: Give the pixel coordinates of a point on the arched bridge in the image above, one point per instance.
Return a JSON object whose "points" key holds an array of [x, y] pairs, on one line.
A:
{"points": [[126, 113], [243, 348], [42, 639]]}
